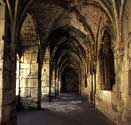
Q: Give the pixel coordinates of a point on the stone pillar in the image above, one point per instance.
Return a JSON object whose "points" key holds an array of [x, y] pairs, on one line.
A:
{"points": [[50, 80], [116, 95], [126, 85], [57, 83], [39, 85], [7, 76], [53, 81], [2, 29]]}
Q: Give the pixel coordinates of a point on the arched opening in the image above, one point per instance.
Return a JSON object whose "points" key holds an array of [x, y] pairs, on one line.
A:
{"points": [[70, 81], [27, 64], [106, 58]]}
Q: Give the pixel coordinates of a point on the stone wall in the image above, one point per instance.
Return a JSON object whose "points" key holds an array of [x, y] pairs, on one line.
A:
{"points": [[27, 74], [116, 103], [28, 78], [45, 74]]}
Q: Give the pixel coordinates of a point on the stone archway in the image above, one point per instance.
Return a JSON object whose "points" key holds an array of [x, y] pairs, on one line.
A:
{"points": [[106, 59], [27, 49], [70, 81]]}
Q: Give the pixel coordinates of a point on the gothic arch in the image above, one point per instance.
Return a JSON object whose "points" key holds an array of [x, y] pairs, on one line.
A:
{"points": [[106, 62]]}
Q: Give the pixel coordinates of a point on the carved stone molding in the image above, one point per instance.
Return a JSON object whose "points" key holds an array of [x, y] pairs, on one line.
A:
{"points": [[119, 50], [129, 46]]}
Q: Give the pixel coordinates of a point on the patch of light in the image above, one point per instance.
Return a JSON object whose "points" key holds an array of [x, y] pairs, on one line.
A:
{"points": [[63, 106]]}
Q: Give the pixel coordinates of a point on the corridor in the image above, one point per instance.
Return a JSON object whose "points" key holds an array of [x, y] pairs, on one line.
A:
{"points": [[53, 47], [66, 109]]}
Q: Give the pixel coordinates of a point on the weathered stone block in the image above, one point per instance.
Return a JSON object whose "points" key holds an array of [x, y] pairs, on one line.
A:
{"points": [[34, 92], [34, 57], [23, 83], [25, 92], [23, 73], [36, 49], [33, 82], [34, 68], [25, 66], [27, 58]]}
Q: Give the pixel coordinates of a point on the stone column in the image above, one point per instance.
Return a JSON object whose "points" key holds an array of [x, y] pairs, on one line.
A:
{"points": [[7, 74], [2, 29], [39, 85], [116, 95], [50, 80], [126, 85], [57, 83]]}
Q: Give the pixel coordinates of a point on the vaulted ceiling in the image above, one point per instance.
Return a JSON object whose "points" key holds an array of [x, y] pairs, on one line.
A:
{"points": [[71, 28]]}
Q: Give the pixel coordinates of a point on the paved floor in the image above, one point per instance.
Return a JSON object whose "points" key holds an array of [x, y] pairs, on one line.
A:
{"points": [[64, 110]]}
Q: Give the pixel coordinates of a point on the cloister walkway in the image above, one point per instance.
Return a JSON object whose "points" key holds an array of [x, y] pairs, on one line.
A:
{"points": [[67, 109]]}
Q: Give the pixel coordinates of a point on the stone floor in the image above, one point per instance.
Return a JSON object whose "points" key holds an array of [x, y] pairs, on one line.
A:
{"points": [[67, 109]]}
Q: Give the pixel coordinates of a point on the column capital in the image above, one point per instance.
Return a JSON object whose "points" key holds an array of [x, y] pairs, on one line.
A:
{"points": [[118, 49]]}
